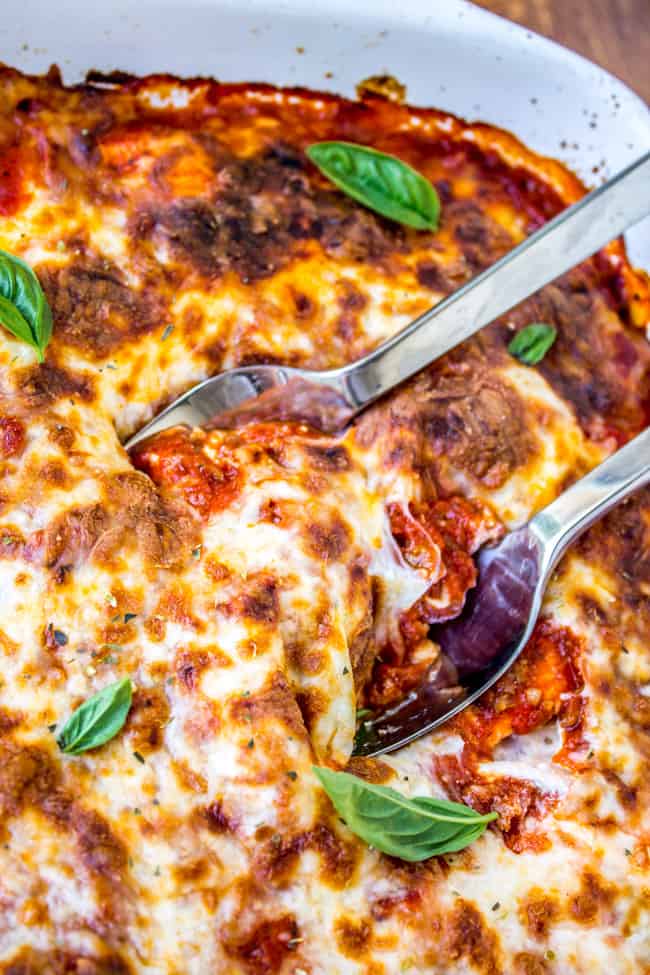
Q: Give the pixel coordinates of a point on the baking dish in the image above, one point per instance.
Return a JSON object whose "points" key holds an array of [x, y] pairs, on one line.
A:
{"points": [[451, 55], [152, 896]]}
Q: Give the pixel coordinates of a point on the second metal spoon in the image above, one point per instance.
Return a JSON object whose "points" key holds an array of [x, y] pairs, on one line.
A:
{"points": [[501, 612]]}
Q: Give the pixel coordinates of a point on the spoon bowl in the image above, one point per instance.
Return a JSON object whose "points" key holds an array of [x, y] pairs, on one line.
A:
{"points": [[500, 613]]}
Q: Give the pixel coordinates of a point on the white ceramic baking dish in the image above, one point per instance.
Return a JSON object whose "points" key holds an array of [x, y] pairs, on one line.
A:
{"points": [[449, 53]]}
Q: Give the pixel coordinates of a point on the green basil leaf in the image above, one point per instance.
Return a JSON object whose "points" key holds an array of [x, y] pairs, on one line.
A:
{"points": [[411, 829], [15, 323], [24, 310], [379, 181], [531, 344], [98, 719]]}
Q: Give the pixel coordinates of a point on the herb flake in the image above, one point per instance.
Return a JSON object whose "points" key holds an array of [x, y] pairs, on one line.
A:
{"points": [[531, 344]]}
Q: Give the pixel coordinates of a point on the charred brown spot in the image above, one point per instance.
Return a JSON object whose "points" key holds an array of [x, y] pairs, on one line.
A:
{"points": [[191, 873], [147, 719], [70, 538], [26, 776], [175, 603], [188, 777], [189, 665], [352, 302], [403, 903], [481, 239], [163, 529], [53, 473], [132, 514], [527, 963], [29, 777], [539, 913], [594, 899], [328, 540], [275, 701], [371, 769], [306, 643], [628, 795], [313, 704], [259, 601], [265, 948], [217, 819], [12, 436], [11, 543], [483, 431], [94, 309], [353, 936], [363, 647], [216, 570], [332, 458], [31, 961], [46, 383], [338, 858], [101, 851], [436, 277], [457, 410], [620, 543], [62, 436], [9, 720], [303, 304], [470, 938], [155, 627], [265, 207]]}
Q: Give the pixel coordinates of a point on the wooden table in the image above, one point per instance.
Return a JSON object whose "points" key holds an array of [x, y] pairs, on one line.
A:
{"points": [[613, 33]]}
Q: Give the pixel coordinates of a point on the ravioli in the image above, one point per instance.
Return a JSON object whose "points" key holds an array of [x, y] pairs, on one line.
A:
{"points": [[260, 585]]}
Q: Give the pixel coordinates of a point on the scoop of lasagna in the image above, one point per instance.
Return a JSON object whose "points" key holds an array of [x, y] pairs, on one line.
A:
{"points": [[259, 586]]}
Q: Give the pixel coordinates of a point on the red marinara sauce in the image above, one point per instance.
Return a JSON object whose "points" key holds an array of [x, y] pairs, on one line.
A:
{"points": [[175, 459]]}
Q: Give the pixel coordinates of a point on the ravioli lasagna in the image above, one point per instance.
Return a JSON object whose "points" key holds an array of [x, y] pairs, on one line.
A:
{"points": [[260, 586]]}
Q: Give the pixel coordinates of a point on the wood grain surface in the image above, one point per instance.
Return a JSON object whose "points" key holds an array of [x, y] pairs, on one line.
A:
{"points": [[613, 33]]}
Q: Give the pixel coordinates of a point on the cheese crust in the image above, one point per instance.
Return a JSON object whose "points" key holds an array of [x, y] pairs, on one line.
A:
{"points": [[260, 585]]}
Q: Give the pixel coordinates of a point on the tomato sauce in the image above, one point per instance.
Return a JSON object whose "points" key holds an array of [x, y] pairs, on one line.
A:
{"points": [[174, 460]]}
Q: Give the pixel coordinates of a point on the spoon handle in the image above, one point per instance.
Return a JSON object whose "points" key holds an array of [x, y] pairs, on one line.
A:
{"points": [[558, 246], [592, 496]]}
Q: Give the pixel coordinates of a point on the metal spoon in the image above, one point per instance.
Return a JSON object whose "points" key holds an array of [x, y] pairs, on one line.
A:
{"points": [[501, 612], [329, 400]]}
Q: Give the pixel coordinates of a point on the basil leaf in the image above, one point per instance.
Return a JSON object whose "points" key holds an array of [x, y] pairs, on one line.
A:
{"points": [[98, 719], [411, 829], [531, 344], [15, 323], [379, 181], [24, 310]]}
